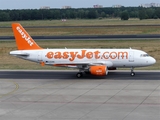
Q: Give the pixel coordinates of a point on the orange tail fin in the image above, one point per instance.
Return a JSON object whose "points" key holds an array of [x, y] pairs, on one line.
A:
{"points": [[23, 39]]}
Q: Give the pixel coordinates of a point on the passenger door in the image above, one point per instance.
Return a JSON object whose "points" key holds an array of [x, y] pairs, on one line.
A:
{"points": [[131, 56]]}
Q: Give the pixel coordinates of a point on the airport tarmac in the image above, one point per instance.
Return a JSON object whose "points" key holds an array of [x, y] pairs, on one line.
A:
{"points": [[59, 95]]}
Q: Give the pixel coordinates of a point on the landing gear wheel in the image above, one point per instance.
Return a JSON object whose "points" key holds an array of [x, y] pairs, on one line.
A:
{"points": [[132, 74], [132, 71], [79, 74]]}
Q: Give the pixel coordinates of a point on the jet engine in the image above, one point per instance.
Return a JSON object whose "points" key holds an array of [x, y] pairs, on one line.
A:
{"points": [[99, 70]]}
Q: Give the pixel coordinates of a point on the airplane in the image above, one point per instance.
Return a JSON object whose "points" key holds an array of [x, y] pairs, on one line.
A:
{"points": [[93, 61]]}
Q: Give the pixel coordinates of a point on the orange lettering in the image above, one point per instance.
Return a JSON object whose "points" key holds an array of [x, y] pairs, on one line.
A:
{"points": [[89, 55], [73, 55], [124, 54], [106, 55], [57, 55], [50, 55], [65, 55], [113, 55], [97, 54], [82, 55]]}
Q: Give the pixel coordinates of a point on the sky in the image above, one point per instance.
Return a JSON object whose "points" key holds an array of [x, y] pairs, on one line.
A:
{"points": [[36, 4]]}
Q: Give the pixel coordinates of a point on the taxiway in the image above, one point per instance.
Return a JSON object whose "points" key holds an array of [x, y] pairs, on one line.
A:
{"points": [[59, 95]]}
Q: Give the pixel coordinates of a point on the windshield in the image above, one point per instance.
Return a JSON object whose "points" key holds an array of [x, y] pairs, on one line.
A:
{"points": [[144, 55]]}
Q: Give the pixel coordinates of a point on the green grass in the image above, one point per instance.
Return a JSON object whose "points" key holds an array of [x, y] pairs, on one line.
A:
{"points": [[86, 31], [111, 30], [84, 22]]}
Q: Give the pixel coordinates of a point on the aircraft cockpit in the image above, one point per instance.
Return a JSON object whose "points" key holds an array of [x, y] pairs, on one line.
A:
{"points": [[144, 55]]}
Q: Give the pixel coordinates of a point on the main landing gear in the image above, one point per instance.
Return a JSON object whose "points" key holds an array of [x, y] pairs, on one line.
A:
{"points": [[79, 74], [132, 72]]}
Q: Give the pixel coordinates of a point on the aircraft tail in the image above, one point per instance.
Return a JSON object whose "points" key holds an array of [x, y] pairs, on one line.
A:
{"points": [[23, 40]]}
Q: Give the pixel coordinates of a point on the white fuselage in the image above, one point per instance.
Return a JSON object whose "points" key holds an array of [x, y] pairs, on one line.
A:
{"points": [[110, 57]]}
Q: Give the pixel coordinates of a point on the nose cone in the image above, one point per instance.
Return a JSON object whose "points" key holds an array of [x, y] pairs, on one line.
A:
{"points": [[152, 61]]}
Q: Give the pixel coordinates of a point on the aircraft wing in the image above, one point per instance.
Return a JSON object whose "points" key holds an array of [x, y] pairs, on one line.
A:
{"points": [[88, 63]]}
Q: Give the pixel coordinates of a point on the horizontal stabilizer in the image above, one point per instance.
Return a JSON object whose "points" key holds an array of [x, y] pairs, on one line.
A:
{"points": [[19, 53]]}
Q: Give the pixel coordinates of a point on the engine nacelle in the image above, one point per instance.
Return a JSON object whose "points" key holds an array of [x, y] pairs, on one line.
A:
{"points": [[99, 70]]}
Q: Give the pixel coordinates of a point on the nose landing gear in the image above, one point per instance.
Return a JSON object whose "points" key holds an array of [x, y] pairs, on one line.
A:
{"points": [[132, 71]]}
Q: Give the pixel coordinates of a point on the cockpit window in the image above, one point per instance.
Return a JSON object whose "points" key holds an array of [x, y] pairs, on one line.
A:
{"points": [[144, 55]]}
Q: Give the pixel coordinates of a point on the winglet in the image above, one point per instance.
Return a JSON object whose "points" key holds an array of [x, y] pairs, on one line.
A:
{"points": [[23, 40]]}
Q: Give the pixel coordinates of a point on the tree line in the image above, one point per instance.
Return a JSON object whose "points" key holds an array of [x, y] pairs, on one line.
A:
{"points": [[81, 13]]}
